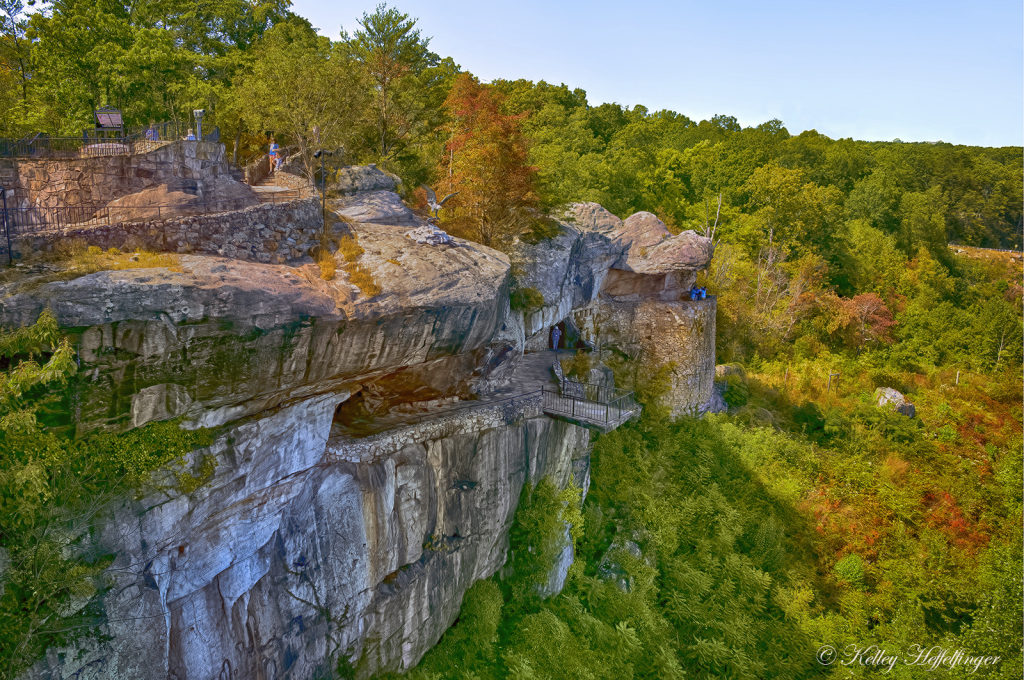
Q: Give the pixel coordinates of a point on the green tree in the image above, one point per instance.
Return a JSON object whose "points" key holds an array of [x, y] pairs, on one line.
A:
{"points": [[394, 56], [997, 333], [923, 223], [307, 89]]}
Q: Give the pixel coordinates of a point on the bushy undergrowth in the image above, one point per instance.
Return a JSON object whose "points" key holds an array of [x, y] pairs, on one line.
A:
{"points": [[832, 522], [52, 488], [526, 299]]}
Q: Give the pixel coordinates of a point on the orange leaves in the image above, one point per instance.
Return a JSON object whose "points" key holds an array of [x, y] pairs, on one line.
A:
{"points": [[946, 516], [486, 161], [860, 320]]}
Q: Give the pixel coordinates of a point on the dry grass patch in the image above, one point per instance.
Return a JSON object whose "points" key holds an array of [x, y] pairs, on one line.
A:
{"points": [[350, 248], [325, 260], [87, 260], [76, 259], [362, 278]]}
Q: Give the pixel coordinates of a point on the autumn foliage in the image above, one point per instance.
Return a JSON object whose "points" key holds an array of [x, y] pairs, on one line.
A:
{"points": [[858, 321], [485, 161]]}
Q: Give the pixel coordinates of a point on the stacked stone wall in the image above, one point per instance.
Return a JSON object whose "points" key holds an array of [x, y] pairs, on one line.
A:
{"points": [[271, 233], [48, 183]]}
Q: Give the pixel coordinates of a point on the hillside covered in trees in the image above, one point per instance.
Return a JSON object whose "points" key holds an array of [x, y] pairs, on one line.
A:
{"points": [[733, 546]]}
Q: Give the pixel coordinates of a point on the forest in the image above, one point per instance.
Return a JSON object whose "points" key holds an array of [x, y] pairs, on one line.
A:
{"points": [[738, 545]]}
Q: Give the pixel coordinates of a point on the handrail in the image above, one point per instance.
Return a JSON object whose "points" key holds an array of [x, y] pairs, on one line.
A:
{"points": [[35, 219], [578, 408]]}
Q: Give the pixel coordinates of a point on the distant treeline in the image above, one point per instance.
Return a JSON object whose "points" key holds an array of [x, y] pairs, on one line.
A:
{"points": [[380, 94]]}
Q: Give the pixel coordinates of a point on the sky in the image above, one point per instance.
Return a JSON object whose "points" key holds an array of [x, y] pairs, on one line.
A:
{"points": [[916, 71]]}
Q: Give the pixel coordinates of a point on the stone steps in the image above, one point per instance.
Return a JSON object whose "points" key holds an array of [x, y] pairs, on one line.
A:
{"points": [[269, 192]]}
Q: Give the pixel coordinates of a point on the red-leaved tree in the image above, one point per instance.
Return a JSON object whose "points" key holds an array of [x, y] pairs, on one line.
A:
{"points": [[859, 321], [486, 162]]}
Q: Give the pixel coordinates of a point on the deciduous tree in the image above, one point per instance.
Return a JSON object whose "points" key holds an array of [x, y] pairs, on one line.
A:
{"points": [[487, 164]]}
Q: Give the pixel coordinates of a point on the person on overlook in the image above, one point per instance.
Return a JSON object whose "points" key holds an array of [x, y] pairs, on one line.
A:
{"points": [[151, 134], [191, 136]]}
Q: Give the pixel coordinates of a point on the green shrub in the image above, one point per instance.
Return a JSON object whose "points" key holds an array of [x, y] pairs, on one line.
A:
{"points": [[526, 299], [737, 393], [851, 570], [578, 366]]}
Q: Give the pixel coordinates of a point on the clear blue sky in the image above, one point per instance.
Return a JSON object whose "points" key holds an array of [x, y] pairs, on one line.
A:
{"points": [[919, 71]]}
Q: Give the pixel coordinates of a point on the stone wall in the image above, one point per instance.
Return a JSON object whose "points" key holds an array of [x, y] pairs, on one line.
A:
{"points": [[272, 233], [97, 181], [682, 332]]}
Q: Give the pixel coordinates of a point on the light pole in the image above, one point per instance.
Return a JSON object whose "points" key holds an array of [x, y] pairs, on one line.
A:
{"points": [[7, 228], [323, 185], [198, 113]]}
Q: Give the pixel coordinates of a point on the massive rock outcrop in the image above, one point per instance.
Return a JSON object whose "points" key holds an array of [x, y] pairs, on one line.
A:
{"points": [[178, 197], [333, 525], [626, 284]]}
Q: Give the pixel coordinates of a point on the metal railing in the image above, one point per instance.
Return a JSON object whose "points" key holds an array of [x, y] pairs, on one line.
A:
{"points": [[617, 410], [22, 221], [96, 143]]}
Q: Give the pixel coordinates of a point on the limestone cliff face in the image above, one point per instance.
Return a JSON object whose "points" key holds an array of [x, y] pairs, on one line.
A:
{"points": [[309, 542]]}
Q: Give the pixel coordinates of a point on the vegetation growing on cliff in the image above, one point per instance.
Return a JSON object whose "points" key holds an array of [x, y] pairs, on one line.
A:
{"points": [[51, 489], [807, 515]]}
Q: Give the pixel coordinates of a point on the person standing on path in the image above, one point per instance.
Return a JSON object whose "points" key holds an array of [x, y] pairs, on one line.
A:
{"points": [[556, 335], [274, 148]]}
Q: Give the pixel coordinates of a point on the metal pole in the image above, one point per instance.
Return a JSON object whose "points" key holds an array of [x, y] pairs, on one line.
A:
{"points": [[7, 229]]}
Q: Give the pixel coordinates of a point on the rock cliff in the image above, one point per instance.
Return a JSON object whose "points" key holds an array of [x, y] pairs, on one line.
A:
{"points": [[334, 524]]}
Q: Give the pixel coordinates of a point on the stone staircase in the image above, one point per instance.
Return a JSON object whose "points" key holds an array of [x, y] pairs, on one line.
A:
{"points": [[268, 191]]}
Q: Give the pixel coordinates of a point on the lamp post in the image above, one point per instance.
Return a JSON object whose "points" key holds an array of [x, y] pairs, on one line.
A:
{"points": [[198, 113], [323, 185], [7, 229]]}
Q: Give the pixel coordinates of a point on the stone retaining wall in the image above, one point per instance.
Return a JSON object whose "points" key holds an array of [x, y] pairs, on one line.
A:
{"points": [[62, 183], [263, 233]]}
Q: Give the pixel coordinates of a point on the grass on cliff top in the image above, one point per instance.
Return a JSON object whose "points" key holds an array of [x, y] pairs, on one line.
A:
{"points": [[75, 258]]}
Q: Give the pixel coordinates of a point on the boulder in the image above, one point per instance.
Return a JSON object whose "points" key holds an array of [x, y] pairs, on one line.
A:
{"points": [[179, 197], [887, 396], [639, 233], [593, 217], [374, 207], [687, 251], [352, 179], [723, 371]]}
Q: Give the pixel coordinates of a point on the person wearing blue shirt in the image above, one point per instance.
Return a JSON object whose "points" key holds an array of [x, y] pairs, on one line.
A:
{"points": [[151, 134], [274, 161], [191, 136]]}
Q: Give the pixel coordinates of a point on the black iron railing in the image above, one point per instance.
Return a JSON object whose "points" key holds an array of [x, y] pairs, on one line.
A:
{"points": [[99, 143], [22, 221], [621, 407]]}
